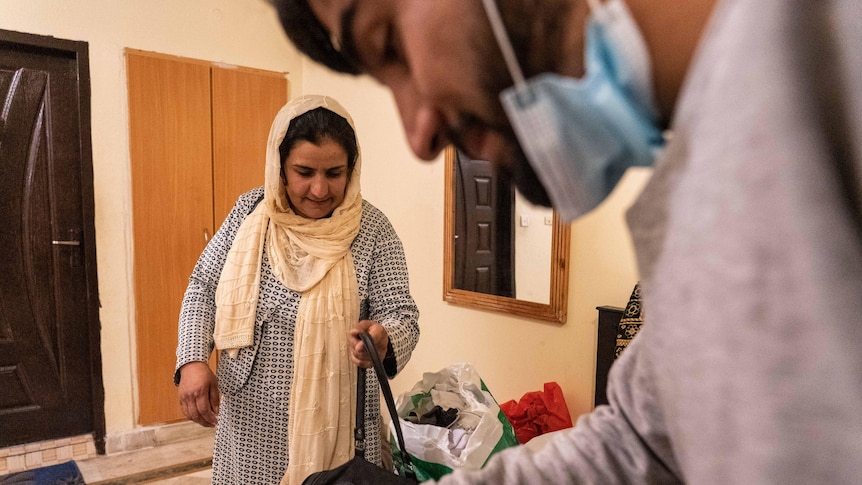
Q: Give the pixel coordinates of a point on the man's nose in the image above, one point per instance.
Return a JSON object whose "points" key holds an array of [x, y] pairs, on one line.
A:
{"points": [[424, 125]]}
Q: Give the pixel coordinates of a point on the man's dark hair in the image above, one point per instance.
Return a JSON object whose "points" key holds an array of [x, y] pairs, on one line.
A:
{"points": [[310, 36], [317, 126]]}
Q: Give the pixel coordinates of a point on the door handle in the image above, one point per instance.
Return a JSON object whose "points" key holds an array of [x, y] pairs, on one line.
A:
{"points": [[66, 243]]}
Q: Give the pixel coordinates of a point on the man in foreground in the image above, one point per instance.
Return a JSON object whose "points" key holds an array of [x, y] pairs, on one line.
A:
{"points": [[748, 235]]}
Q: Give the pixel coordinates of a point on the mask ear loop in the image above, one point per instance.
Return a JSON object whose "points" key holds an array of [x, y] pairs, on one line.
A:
{"points": [[505, 45]]}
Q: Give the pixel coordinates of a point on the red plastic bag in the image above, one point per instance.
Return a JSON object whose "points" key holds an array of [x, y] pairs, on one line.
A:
{"points": [[538, 412]]}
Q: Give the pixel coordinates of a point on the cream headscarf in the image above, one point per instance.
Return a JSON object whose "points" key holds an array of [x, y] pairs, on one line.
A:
{"points": [[311, 256]]}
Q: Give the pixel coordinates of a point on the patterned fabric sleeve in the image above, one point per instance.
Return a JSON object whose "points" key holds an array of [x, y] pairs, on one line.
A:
{"points": [[631, 321], [389, 300], [197, 314]]}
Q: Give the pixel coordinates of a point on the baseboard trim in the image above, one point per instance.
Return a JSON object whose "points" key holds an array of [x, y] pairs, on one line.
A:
{"points": [[150, 436]]}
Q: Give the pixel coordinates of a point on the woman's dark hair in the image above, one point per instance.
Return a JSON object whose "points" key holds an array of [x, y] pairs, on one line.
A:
{"points": [[317, 126]]}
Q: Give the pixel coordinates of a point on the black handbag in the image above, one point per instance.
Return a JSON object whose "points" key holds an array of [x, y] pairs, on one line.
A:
{"points": [[359, 471]]}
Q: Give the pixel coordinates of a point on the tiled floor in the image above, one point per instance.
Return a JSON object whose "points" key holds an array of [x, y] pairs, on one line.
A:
{"points": [[177, 453], [203, 477], [183, 462]]}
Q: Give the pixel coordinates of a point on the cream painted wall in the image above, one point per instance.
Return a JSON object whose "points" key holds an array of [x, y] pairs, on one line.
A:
{"points": [[513, 355], [239, 32]]}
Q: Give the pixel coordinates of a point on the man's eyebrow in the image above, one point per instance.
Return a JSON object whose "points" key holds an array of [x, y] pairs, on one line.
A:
{"points": [[348, 46]]}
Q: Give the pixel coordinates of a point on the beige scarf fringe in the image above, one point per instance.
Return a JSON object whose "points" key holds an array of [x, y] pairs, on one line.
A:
{"points": [[311, 256]]}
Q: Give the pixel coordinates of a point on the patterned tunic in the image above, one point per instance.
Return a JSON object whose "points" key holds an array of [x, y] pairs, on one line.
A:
{"points": [[251, 436]]}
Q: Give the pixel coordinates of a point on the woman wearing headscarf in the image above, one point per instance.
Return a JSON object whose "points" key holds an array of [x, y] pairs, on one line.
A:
{"points": [[297, 270]]}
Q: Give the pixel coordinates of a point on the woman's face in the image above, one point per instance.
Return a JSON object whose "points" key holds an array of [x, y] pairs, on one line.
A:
{"points": [[316, 178]]}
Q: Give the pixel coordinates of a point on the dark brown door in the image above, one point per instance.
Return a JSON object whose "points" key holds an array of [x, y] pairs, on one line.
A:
{"points": [[50, 366], [484, 234]]}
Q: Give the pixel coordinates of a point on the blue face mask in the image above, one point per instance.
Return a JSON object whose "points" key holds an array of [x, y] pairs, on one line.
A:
{"points": [[580, 135]]}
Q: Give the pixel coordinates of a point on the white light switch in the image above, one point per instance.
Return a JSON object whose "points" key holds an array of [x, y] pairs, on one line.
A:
{"points": [[525, 221]]}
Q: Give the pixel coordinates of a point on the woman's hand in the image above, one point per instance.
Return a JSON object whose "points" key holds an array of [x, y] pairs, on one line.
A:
{"points": [[357, 349], [198, 392]]}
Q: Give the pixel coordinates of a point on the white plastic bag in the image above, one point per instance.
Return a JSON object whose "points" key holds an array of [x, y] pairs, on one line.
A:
{"points": [[479, 431]]}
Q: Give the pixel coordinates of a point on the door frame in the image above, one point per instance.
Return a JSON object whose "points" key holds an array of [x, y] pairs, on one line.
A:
{"points": [[79, 51]]}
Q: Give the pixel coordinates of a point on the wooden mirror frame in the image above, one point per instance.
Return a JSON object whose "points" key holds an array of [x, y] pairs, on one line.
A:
{"points": [[554, 311]]}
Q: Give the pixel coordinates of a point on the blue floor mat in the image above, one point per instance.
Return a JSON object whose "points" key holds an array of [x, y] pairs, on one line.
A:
{"points": [[62, 474]]}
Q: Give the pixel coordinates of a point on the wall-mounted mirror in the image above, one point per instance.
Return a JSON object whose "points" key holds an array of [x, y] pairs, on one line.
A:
{"points": [[500, 252]]}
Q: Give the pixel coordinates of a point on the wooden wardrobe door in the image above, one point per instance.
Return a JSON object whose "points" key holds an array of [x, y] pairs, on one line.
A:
{"points": [[171, 158], [244, 103]]}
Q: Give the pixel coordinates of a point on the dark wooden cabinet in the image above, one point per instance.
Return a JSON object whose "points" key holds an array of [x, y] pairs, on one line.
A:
{"points": [[609, 320]]}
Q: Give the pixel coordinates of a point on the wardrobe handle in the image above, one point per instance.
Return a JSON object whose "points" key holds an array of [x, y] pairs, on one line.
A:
{"points": [[206, 235]]}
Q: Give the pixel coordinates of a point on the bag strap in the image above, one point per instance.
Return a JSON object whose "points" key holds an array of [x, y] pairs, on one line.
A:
{"points": [[359, 430], [256, 202], [407, 469]]}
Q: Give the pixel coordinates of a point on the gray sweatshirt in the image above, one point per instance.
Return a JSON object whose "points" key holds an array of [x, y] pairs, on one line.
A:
{"points": [[749, 242]]}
